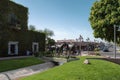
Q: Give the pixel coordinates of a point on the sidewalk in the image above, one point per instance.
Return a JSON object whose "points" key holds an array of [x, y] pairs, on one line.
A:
{"points": [[84, 53], [15, 74]]}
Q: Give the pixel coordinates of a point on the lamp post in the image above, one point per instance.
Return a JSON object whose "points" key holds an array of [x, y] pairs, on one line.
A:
{"points": [[94, 43], [81, 39], [115, 38], [88, 43]]}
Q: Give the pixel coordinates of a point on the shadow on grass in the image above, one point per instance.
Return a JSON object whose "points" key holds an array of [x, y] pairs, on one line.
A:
{"points": [[117, 61]]}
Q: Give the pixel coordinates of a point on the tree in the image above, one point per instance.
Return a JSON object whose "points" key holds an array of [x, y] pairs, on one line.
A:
{"points": [[48, 32], [103, 16], [51, 42], [32, 28]]}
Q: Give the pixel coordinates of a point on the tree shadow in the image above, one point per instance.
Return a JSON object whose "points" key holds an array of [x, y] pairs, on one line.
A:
{"points": [[117, 61]]}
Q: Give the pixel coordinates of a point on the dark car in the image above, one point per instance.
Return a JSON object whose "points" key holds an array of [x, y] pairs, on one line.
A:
{"points": [[105, 49]]}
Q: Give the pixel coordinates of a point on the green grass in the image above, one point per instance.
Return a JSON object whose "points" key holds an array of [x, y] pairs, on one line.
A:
{"points": [[6, 65], [76, 70]]}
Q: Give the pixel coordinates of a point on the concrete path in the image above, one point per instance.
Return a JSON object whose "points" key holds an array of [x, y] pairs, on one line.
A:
{"points": [[14, 74]]}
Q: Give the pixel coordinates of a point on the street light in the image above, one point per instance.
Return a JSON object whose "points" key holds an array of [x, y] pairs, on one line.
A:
{"points": [[94, 44], [115, 38], [88, 40], [81, 39]]}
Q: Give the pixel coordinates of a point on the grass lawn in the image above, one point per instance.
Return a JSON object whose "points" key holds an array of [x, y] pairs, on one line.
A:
{"points": [[76, 70], [6, 65]]}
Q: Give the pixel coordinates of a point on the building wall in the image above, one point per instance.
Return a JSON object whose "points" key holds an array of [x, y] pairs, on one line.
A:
{"points": [[4, 9], [17, 32], [24, 39], [19, 12]]}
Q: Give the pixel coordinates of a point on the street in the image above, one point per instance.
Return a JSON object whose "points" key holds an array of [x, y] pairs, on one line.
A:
{"points": [[111, 54]]}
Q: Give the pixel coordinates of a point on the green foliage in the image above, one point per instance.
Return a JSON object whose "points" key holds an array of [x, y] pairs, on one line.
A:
{"points": [[6, 65], [97, 51], [32, 28], [20, 12], [76, 70], [25, 39], [48, 53], [36, 54], [50, 42], [41, 53], [11, 33], [3, 11], [8, 7], [48, 33], [45, 53], [103, 16]]}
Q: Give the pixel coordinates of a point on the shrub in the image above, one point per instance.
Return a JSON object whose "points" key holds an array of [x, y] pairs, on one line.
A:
{"points": [[97, 51], [36, 54]]}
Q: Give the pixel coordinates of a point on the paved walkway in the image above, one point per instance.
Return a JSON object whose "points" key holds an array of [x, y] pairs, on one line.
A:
{"points": [[14, 74]]}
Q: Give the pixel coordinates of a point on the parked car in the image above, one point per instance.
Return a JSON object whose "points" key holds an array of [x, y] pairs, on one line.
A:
{"points": [[105, 49]]}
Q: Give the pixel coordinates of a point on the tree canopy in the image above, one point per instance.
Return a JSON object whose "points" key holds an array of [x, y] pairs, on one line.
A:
{"points": [[103, 16], [32, 28], [48, 32], [51, 42]]}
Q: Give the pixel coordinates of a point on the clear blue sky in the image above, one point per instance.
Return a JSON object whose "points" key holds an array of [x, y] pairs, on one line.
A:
{"points": [[67, 18]]}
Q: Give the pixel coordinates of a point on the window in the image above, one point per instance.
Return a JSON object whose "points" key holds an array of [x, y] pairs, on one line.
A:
{"points": [[12, 19]]}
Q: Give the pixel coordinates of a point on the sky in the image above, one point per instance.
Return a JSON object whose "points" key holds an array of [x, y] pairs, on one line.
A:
{"points": [[68, 19]]}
